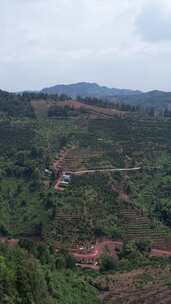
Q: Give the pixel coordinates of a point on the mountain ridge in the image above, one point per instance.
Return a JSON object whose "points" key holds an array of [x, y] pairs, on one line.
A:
{"points": [[88, 89], [157, 99]]}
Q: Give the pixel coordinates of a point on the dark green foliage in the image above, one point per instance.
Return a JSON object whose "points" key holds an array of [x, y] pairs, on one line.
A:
{"points": [[15, 136], [107, 263], [15, 105], [136, 254], [24, 279], [82, 203], [64, 260], [62, 112], [47, 255], [133, 249]]}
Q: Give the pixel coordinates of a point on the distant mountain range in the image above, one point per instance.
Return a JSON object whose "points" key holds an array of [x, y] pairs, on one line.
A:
{"points": [[86, 89], [156, 99], [159, 100]]}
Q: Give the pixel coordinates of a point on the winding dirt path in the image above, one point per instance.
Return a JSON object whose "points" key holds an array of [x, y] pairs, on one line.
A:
{"points": [[160, 253], [56, 167], [112, 247]]}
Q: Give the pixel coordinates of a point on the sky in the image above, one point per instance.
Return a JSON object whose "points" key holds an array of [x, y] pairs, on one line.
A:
{"points": [[117, 43]]}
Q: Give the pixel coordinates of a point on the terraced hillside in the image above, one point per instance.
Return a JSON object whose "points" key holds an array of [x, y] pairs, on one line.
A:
{"points": [[144, 286], [97, 142], [131, 222], [85, 158], [138, 226], [68, 229]]}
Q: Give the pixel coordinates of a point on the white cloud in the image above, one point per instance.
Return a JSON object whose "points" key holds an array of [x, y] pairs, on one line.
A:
{"points": [[154, 21], [45, 42]]}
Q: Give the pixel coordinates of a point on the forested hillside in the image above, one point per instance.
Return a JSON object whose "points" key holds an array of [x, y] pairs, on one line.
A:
{"points": [[15, 105], [119, 159], [32, 273]]}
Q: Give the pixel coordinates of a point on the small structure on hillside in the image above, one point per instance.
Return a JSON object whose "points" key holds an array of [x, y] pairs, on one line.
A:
{"points": [[67, 177], [48, 172], [63, 183], [65, 180]]}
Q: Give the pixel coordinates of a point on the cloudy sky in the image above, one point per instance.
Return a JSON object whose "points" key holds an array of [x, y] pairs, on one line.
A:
{"points": [[119, 43]]}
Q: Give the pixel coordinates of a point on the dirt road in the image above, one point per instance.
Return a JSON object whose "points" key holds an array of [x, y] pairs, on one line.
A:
{"points": [[160, 253], [112, 247], [106, 170]]}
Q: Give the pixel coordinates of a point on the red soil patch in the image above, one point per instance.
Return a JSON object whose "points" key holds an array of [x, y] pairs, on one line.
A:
{"points": [[160, 253], [57, 167], [92, 109]]}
